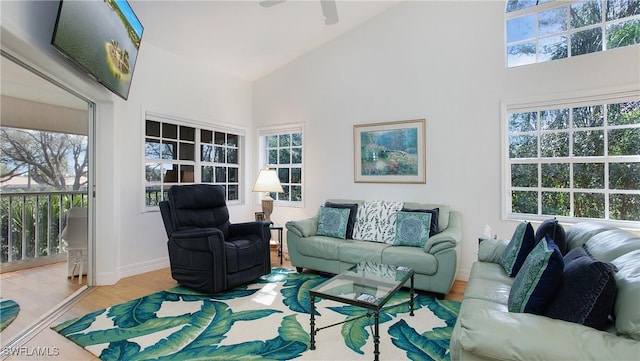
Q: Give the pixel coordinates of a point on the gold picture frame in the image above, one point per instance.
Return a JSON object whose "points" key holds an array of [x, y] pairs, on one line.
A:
{"points": [[390, 152], [260, 217]]}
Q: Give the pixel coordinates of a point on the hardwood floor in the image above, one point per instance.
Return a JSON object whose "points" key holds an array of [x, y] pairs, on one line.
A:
{"points": [[37, 290], [58, 348]]}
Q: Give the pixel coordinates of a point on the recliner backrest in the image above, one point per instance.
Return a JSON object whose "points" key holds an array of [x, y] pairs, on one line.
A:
{"points": [[199, 206]]}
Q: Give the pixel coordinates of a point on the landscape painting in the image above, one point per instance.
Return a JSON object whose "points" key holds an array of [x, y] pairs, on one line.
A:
{"points": [[390, 152]]}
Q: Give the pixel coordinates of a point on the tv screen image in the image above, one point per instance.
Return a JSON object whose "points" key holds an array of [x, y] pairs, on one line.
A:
{"points": [[103, 38]]}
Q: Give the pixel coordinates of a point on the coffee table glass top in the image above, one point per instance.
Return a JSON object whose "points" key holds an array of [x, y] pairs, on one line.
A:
{"points": [[366, 283]]}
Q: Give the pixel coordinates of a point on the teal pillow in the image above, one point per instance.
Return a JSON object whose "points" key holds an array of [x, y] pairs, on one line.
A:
{"points": [[522, 242], [332, 222], [538, 280], [412, 229]]}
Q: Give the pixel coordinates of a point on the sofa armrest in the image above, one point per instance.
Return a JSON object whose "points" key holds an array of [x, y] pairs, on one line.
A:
{"points": [[303, 227], [448, 238], [490, 249], [499, 335]]}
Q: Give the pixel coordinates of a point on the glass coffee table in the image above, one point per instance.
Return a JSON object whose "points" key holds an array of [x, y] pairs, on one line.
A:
{"points": [[369, 285]]}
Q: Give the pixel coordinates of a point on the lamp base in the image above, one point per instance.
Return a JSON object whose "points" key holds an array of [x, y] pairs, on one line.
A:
{"points": [[267, 208]]}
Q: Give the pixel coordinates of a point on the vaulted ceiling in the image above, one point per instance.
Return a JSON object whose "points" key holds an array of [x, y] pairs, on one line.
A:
{"points": [[243, 38]]}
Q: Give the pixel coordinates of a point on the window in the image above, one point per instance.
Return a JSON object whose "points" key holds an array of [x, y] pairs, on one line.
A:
{"points": [[281, 149], [574, 160], [178, 153], [543, 30]]}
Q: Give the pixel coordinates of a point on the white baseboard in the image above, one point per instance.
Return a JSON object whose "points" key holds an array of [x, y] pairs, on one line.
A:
{"points": [[111, 278], [143, 267], [463, 275]]}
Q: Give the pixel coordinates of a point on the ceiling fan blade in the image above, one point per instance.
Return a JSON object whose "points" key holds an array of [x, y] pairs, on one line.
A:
{"points": [[330, 11], [270, 3]]}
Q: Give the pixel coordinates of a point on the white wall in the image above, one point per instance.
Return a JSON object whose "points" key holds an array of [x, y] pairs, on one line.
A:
{"points": [[442, 61], [129, 241]]}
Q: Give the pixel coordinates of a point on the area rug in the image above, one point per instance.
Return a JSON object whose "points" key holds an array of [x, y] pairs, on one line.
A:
{"points": [[8, 312], [268, 320]]}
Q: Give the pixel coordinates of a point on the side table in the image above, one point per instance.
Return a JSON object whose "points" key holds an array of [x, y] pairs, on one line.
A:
{"points": [[279, 228]]}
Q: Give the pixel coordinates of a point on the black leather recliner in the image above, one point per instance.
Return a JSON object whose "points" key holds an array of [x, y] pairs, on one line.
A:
{"points": [[207, 252]]}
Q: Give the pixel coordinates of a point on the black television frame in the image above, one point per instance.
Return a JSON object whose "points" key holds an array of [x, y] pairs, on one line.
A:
{"points": [[90, 72]]}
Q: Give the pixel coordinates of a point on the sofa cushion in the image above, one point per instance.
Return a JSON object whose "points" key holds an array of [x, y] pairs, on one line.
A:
{"points": [[609, 245], [433, 226], [522, 242], [627, 308], [320, 247], [538, 279], [422, 263], [553, 229], [412, 229], [488, 290], [353, 211], [360, 251], [332, 222], [376, 221], [578, 234], [587, 292]]}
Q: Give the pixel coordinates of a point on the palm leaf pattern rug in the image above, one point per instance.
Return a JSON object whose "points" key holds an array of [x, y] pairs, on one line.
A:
{"points": [[268, 320], [9, 310]]}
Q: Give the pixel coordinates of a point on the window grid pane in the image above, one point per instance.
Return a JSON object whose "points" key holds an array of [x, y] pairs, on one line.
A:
{"points": [[580, 162], [171, 153], [283, 153], [537, 31]]}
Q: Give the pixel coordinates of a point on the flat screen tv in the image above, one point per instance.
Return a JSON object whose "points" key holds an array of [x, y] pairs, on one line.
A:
{"points": [[102, 38]]}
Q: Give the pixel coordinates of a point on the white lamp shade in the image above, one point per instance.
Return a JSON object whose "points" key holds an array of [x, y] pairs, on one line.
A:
{"points": [[267, 181]]}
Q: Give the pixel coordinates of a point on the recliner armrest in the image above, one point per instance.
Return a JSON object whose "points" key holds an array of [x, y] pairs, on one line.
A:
{"points": [[191, 239], [260, 229]]}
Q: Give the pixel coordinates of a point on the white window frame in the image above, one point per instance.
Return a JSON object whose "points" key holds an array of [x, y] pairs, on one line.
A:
{"points": [[263, 160], [197, 162], [537, 38], [609, 96]]}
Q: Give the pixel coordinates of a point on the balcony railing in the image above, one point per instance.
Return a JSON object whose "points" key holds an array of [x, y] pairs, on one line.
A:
{"points": [[30, 225]]}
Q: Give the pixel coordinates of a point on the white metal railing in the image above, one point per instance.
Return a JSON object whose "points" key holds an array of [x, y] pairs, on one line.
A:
{"points": [[31, 222]]}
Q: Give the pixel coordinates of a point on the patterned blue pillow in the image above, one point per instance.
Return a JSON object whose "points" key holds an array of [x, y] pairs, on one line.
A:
{"points": [[412, 229], [538, 279], [332, 222], [522, 242]]}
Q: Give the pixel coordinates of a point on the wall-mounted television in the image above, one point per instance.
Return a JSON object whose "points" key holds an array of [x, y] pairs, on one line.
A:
{"points": [[102, 38]]}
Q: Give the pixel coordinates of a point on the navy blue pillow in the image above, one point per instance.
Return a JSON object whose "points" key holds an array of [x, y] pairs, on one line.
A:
{"points": [[352, 215], [538, 279], [522, 242], [588, 290], [433, 228], [553, 229]]}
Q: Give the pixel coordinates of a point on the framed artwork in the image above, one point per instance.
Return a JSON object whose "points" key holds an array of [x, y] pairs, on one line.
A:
{"points": [[390, 152], [260, 216]]}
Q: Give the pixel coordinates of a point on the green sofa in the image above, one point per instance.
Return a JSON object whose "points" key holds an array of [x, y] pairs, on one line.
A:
{"points": [[435, 265], [486, 330]]}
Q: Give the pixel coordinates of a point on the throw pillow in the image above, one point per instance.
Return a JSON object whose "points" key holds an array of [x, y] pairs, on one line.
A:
{"points": [[553, 229], [538, 279], [433, 228], [522, 242], [412, 228], [353, 211], [332, 222], [376, 221], [588, 290]]}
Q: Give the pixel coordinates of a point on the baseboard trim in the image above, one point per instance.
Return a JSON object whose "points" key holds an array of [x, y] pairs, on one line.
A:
{"points": [[143, 267]]}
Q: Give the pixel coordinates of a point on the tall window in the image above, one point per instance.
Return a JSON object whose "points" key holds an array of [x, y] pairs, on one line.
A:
{"points": [[577, 160], [544, 30], [282, 150], [185, 154]]}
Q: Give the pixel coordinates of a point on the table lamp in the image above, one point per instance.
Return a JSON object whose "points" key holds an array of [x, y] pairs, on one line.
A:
{"points": [[267, 182]]}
